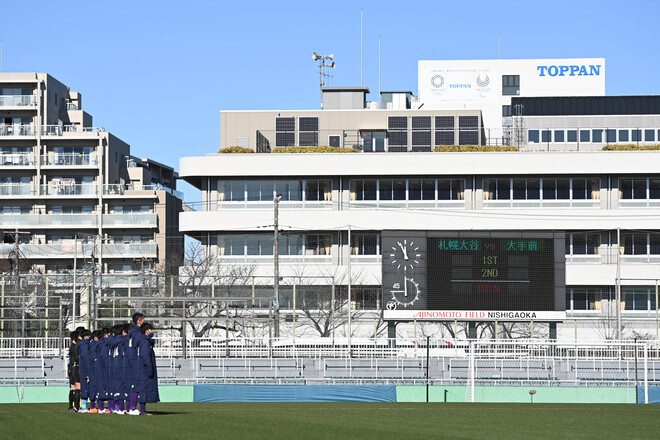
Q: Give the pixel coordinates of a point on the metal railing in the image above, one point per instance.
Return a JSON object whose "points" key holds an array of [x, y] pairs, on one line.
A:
{"points": [[49, 220], [59, 130], [16, 159], [69, 189], [146, 219], [130, 250], [16, 189], [17, 130], [17, 100], [70, 159]]}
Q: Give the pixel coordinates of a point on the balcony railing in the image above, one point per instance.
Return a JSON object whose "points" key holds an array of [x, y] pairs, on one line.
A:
{"points": [[119, 189], [64, 249], [46, 220], [58, 130], [64, 188], [17, 101], [70, 159], [268, 259], [130, 250], [17, 130], [16, 159], [16, 189], [147, 219]]}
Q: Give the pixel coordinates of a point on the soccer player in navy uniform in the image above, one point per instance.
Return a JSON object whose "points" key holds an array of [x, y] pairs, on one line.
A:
{"points": [[83, 356], [93, 378], [134, 336], [148, 376]]}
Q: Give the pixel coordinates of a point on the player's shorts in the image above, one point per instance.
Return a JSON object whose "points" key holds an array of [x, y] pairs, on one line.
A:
{"points": [[75, 375]]}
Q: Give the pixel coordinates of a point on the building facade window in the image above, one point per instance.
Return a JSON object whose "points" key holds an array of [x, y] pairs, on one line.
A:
{"points": [[649, 135], [507, 111], [365, 243], [583, 243], [421, 133], [597, 136], [533, 136], [444, 130], [510, 85], [397, 133], [308, 135], [623, 136], [468, 130], [639, 189], [559, 136], [285, 132]]}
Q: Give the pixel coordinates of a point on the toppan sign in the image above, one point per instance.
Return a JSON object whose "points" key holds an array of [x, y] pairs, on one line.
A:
{"points": [[572, 70]]}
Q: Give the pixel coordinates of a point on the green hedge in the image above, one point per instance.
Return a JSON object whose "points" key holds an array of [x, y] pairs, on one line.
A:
{"points": [[463, 148], [631, 147], [321, 149], [236, 149]]}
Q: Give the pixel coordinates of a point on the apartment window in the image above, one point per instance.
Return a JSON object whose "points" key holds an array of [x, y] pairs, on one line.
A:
{"points": [[260, 190], [571, 135], [421, 132], [392, 190], [290, 190], [231, 190], [649, 135], [444, 130], [636, 135], [318, 190], [285, 132], [634, 188], [583, 243], [623, 136], [363, 189], [585, 135], [506, 111], [497, 189], [290, 244], [468, 130], [309, 132], [584, 298], [317, 244], [365, 244], [421, 190], [15, 209], [597, 136], [510, 85], [533, 136], [559, 136], [556, 189], [397, 132], [586, 189], [634, 243], [451, 189], [259, 244]]}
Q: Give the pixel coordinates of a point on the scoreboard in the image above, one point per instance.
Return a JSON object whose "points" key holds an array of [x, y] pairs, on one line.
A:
{"points": [[470, 275]]}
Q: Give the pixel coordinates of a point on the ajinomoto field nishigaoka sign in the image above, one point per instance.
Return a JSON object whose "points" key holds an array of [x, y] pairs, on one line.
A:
{"points": [[473, 275]]}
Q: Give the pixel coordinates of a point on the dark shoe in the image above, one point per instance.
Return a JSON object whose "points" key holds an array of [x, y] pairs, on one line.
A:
{"points": [[73, 410]]}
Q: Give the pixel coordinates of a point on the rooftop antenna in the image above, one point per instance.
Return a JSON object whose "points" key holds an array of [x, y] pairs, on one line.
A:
{"points": [[1, 54], [322, 65], [499, 45], [379, 65]]}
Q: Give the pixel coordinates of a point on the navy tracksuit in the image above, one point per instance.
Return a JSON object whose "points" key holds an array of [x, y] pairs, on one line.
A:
{"points": [[84, 365], [147, 379]]}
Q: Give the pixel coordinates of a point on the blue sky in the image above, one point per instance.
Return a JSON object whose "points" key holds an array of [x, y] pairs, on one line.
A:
{"points": [[156, 74]]}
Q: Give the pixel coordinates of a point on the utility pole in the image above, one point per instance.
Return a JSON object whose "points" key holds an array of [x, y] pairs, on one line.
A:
{"points": [[75, 272], [276, 265]]}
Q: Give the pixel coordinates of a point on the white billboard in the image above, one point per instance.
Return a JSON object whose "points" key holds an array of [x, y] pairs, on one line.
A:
{"points": [[460, 84]]}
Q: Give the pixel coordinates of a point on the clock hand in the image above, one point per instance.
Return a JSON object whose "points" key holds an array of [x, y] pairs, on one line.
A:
{"points": [[405, 253], [405, 287]]}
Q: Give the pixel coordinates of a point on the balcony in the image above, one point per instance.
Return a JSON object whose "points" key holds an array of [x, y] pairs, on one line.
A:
{"points": [[17, 130], [135, 189], [130, 220], [48, 220], [68, 189], [70, 159], [16, 159], [65, 249], [16, 189], [59, 130], [130, 250], [17, 101]]}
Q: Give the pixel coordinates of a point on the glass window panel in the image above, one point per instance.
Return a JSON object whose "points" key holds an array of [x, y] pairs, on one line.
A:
{"points": [[253, 190], [625, 187], [585, 135], [636, 135], [571, 135], [593, 244], [428, 189], [503, 189], [290, 190], [597, 135], [639, 244], [627, 241], [654, 188], [533, 136], [370, 190], [654, 239], [458, 189], [611, 135], [549, 189], [519, 189], [639, 188], [399, 192], [546, 136], [533, 189], [414, 190], [385, 190], [444, 190], [559, 136], [593, 189], [579, 299], [579, 244], [563, 189], [649, 135], [579, 189], [623, 135]]}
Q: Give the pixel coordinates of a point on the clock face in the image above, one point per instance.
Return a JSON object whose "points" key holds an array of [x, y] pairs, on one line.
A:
{"points": [[406, 292], [405, 255]]}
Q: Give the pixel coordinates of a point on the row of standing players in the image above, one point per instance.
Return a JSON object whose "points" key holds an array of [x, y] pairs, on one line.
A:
{"points": [[116, 365]]}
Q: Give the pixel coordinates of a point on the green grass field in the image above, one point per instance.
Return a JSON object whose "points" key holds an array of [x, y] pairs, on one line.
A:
{"points": [[266, 421]]}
